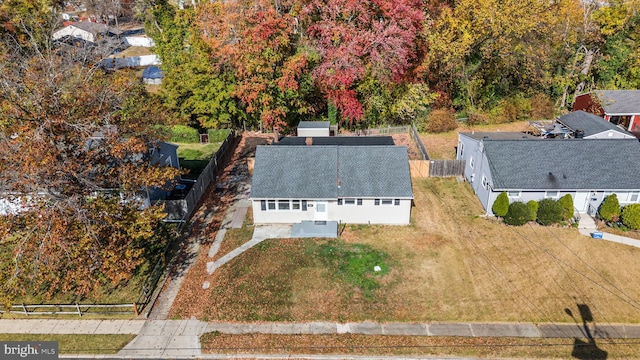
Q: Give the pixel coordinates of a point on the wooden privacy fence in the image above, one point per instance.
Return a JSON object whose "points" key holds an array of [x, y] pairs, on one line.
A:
{"points": [[419, 168], [446, 168], [76, 309], [389, 130], [422, 150], [181, 210]]}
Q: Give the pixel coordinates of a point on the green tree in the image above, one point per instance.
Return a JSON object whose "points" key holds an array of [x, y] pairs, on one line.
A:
{"points": [[631, 216], [567, 206], [500, 206], [533, 209], [549, 212], [196, 86], [610, 208], [518, 214]]}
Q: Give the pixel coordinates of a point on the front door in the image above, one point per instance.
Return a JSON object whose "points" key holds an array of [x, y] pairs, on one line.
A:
{"points": [[581, 200], [321, 210]]}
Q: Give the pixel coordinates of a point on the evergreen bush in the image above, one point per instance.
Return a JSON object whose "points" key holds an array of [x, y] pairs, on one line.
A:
{"points": [[518, 214], [631, 216], [533, 209], [567, 206], [549, 212], [500, 207], [610, 208], [184, 134]]}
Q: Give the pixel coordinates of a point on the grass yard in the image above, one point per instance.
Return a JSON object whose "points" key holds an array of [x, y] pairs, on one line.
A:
{"points": [[443, 146], [195, 157], [450, 264], [386, 345], [77, 344]]}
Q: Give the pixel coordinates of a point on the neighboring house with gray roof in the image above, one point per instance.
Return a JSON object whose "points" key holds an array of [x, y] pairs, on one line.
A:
{"points": [[534, 169], [589, 126], [620, 107], [349, 184]]}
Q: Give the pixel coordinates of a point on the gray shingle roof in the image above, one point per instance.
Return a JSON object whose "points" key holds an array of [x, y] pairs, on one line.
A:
{"points": [[312, 172], [338, 140], [598, 164], [589, 123], [498, 135], [313, 124], [619, 101]]}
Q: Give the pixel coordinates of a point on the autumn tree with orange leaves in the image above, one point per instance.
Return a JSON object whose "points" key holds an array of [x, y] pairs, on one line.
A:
{"points": [[74, 146]]}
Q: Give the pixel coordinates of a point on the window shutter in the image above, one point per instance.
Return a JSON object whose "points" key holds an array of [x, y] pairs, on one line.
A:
{"points": [[304, 205], [359, 201]]}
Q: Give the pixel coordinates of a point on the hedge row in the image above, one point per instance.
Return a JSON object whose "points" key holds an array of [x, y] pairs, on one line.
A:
{"points": [[610, 211], [545, 211]]}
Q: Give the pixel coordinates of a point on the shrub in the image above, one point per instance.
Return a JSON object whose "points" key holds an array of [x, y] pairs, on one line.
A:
{"points": [[518, 214], [442, 120], [567, 206], [477, 118], [549, 212], [610, 208], [533, 209], [541, 107], [184, 134], [217, 135], [500, 207], [631, 216]]}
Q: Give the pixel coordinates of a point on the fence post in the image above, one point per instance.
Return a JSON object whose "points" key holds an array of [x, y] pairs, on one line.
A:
{"points": [[79, 312], [24, 309], [135, 309]]}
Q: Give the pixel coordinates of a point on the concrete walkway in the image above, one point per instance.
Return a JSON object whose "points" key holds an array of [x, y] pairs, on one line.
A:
{"points": [[166, 334], [587, 226]]}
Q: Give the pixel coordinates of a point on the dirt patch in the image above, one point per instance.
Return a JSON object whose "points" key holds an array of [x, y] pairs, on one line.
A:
{"points": [[406, 140]]}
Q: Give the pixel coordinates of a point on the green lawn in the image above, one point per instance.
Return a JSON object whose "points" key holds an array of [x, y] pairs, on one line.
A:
{"points": [[77, 344], [195, 157]]}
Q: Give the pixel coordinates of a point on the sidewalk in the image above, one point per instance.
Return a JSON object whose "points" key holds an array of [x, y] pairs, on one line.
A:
{"points": [[171, 332], [587, 225]]}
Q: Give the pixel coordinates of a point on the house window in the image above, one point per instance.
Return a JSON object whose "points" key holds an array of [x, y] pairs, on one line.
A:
{"points": [[396, 202], [633, 197], [376, 202], [471, 162], [339, 201], [461, 146], [623, 121], [359, 202], [472, 177], [513, 194], [349, 201], [263, 205], [387, 202], [271, 204], [304, 205], [485, 183], [284, 205], [551, 194], [295, 204]]}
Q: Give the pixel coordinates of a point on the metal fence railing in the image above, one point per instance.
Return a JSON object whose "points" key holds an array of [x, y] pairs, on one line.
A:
{"points": [[77, 309]]}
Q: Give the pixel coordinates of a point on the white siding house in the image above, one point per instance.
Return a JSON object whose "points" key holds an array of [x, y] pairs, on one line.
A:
{"points": [[85, 30], [534, 169], [349, 184], [313, 128], [589, 126]]}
